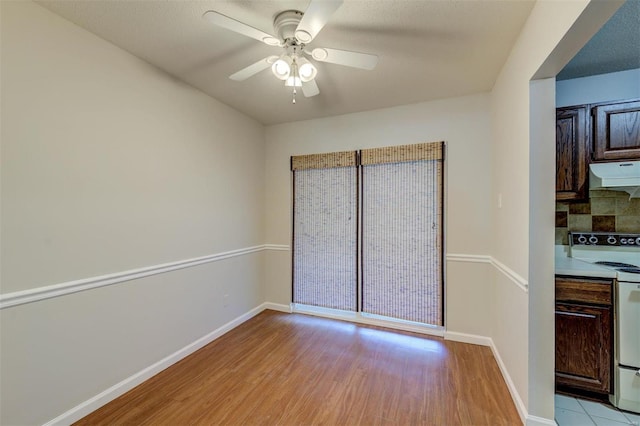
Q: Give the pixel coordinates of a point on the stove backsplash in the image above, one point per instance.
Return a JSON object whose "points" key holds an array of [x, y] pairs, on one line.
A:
{"points": [[606, 211]]}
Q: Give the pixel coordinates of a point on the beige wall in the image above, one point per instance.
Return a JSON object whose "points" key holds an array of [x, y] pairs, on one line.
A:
{"points": [[101, 154], [541, 312], [523, 158], [109, 164], [462, 122]]}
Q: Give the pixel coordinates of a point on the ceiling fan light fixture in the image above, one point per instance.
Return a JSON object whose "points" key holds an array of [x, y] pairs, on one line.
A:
{"points": [[293, 81], [282, 67], [294, 31]]}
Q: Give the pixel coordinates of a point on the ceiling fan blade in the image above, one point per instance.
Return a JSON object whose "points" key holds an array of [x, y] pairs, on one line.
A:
{"points": [[310, 88], [240, 28], [363, 61], [253, 69], [315, 18]]}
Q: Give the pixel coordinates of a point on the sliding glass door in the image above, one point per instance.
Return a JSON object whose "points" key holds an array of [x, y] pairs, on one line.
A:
{"points": [[368, 231], [325, 230], [402, 235]]}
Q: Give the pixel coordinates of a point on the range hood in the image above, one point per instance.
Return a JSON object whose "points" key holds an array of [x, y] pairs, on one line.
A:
{"points": [[623, 176]]}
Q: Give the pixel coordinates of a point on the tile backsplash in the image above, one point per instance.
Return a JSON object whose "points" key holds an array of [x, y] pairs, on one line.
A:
{"points": [[605, 211]]}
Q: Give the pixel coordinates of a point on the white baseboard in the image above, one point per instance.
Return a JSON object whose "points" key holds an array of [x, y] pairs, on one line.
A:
{"points": [[92, 404], [517, 400], [359, 318], [277, 307], [540, 421], [467, 338]]}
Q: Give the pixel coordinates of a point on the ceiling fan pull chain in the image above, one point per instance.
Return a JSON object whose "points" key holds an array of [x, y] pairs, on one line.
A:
{"points": [[296, 76]]}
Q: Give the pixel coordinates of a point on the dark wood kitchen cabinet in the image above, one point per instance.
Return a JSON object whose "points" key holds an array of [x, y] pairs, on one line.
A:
{"points": [[584, 334], [572, 153], [616, 131]]}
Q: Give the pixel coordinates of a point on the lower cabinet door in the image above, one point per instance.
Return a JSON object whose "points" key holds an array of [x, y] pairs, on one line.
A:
{"points": [[583, 347]]}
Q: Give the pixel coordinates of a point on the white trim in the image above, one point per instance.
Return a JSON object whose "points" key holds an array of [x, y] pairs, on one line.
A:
{"points": [[56, 290], [467, 338], [511, 274], [277, 247], [540, 421], [473, 258], [47, 292], [517, 400], [488, 341], [478, 258], [92, 404], [357, 317], [277, 307]]}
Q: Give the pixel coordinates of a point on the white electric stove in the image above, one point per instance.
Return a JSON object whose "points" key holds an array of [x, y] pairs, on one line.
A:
{"points": [[621, 253]]}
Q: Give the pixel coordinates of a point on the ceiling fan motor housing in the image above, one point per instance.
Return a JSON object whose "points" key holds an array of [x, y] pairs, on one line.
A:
{"points": [[285, 25]]}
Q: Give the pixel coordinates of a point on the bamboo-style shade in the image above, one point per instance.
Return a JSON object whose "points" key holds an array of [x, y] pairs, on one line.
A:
{"points": [[402, 257], [324, 161], [403, 153], [394, 239], [325, 237]]}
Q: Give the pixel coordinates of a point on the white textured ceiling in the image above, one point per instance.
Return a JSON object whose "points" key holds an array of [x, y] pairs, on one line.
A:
{"points": [[427, 49]]}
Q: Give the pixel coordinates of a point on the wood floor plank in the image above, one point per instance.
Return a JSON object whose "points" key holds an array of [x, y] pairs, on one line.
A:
{"points": [[293, 369]]}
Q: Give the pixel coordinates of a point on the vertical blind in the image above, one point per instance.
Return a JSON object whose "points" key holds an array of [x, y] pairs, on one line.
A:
{"points": [[379, 212], [325, 230], [402, 232]]}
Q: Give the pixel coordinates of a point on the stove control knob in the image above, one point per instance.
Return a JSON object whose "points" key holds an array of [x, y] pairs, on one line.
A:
{"points": [[623, 241], [612, 239], [631, 241], [638, 241], [582, 239], [593, 239]]}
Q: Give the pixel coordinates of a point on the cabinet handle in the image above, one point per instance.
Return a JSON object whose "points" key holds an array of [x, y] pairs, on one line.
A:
{"points": [[638, 373], [575, 314]]}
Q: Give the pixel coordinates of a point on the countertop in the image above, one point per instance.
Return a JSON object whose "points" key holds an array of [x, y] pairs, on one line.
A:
{"points": [[569, 266]]}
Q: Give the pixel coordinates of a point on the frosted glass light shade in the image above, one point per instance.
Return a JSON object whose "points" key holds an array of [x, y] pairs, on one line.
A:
{"points": [[306, 70], [282, 67], [293, 81]]}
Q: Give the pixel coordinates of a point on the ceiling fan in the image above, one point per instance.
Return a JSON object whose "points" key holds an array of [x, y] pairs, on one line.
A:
{"points": [[295, 30]]}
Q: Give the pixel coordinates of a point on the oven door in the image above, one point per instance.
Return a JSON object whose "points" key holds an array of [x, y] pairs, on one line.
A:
{"points": [[627, 389], [629, 324]]}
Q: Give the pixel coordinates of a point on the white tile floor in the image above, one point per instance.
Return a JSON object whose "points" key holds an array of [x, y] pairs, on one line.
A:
{"points": [[578, 412]]}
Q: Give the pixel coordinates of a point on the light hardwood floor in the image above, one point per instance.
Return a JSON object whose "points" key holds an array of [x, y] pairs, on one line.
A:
{"points": [[292, 369]]}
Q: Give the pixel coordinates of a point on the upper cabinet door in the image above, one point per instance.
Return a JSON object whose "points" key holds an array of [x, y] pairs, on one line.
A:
{"points": [[572, 152], [617, 131]]}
